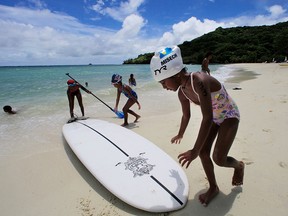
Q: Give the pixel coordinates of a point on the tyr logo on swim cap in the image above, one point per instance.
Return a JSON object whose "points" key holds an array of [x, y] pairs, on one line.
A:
{"points": [[166, 63]]}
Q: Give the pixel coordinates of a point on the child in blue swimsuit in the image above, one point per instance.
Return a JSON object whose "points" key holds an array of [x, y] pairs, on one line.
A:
{"points": [[130, 94]]}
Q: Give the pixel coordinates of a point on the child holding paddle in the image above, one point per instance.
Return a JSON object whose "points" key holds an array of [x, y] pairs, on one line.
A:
{"points": [[129, 93], [72, 91], [220, 116]]}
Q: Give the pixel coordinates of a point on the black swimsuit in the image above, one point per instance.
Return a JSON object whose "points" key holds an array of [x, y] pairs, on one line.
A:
{"points": [[73, 93]]}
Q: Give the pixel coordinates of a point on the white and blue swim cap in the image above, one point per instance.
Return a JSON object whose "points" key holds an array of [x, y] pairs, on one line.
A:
{"points": [[116, 78], [166, 63]]}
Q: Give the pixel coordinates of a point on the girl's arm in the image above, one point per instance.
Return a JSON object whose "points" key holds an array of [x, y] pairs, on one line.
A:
{"points": [[202, 87], [185, 104], [117, 99]]}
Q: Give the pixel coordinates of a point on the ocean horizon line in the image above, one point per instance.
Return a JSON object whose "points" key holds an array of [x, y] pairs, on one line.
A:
{"points": [[60, 65], [90, 64]]}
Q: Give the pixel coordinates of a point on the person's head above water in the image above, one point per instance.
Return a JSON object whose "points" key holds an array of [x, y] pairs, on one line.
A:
{"points": [[8, 109], [166, 63]]}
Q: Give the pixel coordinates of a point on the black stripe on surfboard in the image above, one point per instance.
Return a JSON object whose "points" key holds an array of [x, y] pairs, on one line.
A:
{"points": [[105, 138], [156, 180], [166, 189]]}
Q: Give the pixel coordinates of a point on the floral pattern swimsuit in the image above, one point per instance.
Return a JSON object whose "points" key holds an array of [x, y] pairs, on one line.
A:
{"points": [[223, 105]]}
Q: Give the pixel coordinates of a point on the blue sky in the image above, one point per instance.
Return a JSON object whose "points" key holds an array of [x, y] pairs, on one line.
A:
{"points": [[50, 32]]}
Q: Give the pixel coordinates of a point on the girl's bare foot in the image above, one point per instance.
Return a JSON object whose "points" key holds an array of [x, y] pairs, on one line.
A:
{"points": [[124, 124], [205, 198], [137, 117], [238, 175]]}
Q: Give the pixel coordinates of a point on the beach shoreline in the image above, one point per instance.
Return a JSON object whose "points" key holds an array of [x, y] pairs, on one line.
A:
{"points": [[54, 182]]}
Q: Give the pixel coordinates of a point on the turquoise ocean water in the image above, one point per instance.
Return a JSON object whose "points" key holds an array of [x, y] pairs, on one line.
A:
{"points": [[38, 93]]}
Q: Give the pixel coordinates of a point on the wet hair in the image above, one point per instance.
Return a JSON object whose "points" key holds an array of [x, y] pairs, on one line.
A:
{"points": [[184, 70], [208, 54], [7, 108]]}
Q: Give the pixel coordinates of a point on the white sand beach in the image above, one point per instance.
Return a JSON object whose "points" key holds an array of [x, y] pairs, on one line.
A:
{"points": [[56, 183]]}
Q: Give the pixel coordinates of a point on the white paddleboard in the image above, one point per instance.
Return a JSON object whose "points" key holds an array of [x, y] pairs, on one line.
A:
{"points": [[128, 165]]}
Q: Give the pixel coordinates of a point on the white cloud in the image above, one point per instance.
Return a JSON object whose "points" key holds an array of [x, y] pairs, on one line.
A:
{"points": [[120, 12], [193, 27], [38, 4], [188, 30], [40, 36], [98, 7], [42, 18], [276, 14], [131, 27], [276, 11]]}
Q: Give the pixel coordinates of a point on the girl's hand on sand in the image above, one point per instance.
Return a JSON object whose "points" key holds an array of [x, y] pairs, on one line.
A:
{"points": [[187, 157], [177, 139], [139, 106]]}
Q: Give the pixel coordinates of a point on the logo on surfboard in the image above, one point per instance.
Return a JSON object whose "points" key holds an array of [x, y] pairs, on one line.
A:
{"points": [[138, 165]]}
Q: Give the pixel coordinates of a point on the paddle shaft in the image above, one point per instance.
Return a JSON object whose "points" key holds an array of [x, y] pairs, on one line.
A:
{"points": [[91, 92]]}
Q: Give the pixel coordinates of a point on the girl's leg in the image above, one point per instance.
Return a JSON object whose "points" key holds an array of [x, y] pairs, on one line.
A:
{"points": [[134, 114], [208, 166], [226, 136], [71, 104], [79, 98], [126, 110]]}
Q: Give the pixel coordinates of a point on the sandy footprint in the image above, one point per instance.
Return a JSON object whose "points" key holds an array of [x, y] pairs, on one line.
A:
{"points": [[85, 207], [247, 161], [283, 164]]}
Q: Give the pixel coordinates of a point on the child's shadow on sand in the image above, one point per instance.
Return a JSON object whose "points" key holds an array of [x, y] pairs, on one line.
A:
{"points": [[219, 206], [131, 126]]}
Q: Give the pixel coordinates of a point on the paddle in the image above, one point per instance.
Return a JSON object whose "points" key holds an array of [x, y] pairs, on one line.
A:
{"points": [[118, 113]]}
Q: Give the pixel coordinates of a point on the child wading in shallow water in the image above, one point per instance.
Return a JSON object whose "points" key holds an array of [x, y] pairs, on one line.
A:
{"points": [[220, 116], [8, 109], [129, 93]]}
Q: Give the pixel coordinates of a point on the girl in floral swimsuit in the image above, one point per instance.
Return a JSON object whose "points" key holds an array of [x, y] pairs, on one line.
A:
{"points": [[220, 116], [223, 105]]}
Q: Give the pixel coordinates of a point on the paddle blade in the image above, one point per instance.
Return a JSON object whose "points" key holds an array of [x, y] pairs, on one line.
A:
{"points": [[120, 114]]}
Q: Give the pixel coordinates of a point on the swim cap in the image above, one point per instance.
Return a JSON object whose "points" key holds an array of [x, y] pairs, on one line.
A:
{"points": [[70, 81], [166, 63], [116, 78]]}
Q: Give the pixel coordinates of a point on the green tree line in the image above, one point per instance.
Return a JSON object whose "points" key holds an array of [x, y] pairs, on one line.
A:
{"points": [[233, 45]]}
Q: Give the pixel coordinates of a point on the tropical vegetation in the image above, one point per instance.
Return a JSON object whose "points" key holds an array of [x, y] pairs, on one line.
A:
{"points": [[233, 45]]}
